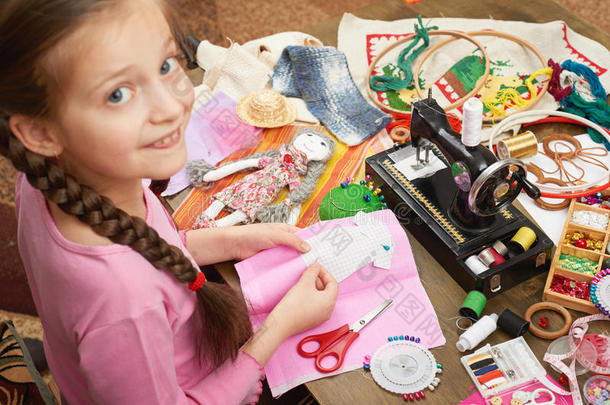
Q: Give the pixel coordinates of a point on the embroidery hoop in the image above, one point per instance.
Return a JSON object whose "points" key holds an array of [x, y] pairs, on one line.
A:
{"points": [[579, 190], [480, 82], [498, 34], [534, 330]]}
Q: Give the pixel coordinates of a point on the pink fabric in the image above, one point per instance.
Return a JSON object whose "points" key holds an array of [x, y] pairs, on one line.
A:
{"points": [[267, 276], [117, 330], [477, 399], [213, 133], [260, 188]]}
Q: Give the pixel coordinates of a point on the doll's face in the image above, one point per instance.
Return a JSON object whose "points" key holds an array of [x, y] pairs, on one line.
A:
{"points": [[316, 148]]}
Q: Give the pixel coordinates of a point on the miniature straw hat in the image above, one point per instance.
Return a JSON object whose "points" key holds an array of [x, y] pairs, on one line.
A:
{"points": [[266, 109]]}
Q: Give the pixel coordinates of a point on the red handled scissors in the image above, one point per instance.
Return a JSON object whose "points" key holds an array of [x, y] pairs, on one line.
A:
{"points": [[336, 342]]}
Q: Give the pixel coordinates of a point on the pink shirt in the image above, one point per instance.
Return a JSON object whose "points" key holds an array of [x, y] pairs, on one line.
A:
{"points": [[116, 329]]}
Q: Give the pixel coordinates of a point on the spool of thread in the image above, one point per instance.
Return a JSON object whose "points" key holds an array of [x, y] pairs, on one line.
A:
{"points": [[486, 257], [462, 324], [472, 122], [500, 248], [475, 264], [473, 304], [477, 333], [400, 134], [521, 241], [512, 323], [498, 259], [519, 146]]}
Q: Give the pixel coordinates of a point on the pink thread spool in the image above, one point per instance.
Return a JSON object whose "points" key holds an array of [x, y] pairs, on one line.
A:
{"points": [[498, 259]]}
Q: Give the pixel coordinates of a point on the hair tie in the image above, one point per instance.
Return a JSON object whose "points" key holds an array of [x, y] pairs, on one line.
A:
{"points": [[198, 282]]}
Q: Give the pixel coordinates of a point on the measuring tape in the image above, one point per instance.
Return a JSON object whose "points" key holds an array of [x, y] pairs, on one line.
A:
{"points": [[575, 338]]}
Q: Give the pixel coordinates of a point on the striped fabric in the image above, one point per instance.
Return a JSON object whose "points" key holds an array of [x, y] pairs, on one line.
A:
{"points": [[346, 161]]}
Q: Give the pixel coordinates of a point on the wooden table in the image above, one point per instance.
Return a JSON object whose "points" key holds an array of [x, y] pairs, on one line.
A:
{"points": [[446, 296]]}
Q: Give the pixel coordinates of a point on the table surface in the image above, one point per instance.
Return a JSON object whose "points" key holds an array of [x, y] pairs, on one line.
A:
{"points": [[357, 387]]}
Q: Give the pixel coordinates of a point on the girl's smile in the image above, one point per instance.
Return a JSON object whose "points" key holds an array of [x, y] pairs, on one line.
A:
{"points": [[167, 141]]}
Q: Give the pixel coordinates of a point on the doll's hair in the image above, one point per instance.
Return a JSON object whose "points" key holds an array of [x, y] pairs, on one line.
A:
{"points": [[29, 30], [278, 212]]}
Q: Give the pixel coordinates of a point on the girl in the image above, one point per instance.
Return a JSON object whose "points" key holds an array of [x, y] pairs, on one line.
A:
{"points": [[92, 99]]}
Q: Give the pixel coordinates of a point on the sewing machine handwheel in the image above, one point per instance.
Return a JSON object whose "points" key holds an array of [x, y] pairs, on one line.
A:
{"points": [[497, 187], [531, 190]]}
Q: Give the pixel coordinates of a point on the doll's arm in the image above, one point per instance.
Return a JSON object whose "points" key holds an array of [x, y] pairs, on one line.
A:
{"points": [[229, 169], [201, 173]]}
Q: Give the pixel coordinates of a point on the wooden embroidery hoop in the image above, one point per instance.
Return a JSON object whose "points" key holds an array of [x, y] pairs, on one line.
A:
{"points": [[536, 331], [456, 35], [499, 34]]}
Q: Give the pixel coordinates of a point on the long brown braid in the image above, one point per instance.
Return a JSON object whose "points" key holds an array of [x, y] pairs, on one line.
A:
{"points": [[224, 318]]}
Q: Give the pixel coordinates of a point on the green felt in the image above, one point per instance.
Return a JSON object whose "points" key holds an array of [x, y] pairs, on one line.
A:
{"points": [[346, 199]]}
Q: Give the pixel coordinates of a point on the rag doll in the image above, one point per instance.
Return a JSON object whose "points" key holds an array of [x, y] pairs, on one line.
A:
{"points": [[250, 198]]}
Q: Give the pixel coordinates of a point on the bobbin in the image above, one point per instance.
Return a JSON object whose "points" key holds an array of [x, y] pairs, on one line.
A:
{"points": [[486, 257], [500, 248], [400, 134], [475, 264], [519, 146]]}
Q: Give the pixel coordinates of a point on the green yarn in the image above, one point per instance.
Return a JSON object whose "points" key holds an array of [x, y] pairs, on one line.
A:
{"points": [[597, 111], [392, 82]]}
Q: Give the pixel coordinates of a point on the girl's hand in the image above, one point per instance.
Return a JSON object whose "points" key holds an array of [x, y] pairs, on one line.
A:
{"points": [[247, 240], [308, 303]]}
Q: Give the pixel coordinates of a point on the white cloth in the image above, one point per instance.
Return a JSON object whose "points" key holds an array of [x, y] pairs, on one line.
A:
{"points": [[361, 40], [343, 250], [268, 49], [243, 69]]}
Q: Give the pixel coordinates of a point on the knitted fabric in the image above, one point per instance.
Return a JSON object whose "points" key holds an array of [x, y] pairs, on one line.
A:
{"points": [[320, 76]]}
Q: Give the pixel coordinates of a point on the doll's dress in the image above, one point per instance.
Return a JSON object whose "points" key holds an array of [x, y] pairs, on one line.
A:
{"points": [[260, 188]]}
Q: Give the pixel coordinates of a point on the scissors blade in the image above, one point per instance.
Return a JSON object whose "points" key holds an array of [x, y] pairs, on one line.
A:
{"points": [[362, 322]]}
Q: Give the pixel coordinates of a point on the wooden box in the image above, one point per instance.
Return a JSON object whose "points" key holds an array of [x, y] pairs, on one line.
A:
{"points": [[569, 227]]}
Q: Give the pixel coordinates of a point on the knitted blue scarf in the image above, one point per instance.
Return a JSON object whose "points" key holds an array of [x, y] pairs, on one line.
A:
{"points": [[320, 76]]}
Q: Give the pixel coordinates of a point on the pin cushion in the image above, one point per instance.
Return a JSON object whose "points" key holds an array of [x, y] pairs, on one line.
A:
{"points": [[349, 199]]}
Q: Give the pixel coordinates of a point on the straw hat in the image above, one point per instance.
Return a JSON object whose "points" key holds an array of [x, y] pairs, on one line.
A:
{"points": [[266, 109]]}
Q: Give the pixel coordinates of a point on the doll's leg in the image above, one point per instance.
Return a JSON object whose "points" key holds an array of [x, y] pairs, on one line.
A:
{"points": [[206, 218], [234, 218], [214, 209]]}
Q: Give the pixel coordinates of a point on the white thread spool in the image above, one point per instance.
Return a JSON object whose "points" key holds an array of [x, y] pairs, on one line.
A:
{"points": [[475, 264], [477, 333], [472, 121]]}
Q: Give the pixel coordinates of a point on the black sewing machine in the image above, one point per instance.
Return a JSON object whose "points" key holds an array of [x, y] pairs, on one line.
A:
{"points": [[464, 206]]}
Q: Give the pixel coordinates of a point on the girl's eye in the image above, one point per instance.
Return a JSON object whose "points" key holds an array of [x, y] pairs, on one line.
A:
{"points": [[120, 95], [323, 144], [168, 66]]}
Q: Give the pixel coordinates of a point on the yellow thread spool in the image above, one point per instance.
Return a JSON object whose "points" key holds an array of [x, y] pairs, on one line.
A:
{"points": [[525, 237], [519, 146]]}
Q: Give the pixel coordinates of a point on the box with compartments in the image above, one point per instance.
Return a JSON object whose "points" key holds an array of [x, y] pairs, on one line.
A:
{"points": [[580, 255]]}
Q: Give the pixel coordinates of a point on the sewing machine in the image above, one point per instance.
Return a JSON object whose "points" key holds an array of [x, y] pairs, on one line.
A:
{"points": [[457, 200]]}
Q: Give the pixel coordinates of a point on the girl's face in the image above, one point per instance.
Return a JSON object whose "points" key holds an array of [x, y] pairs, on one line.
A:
{"points": [[124, 99]]}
